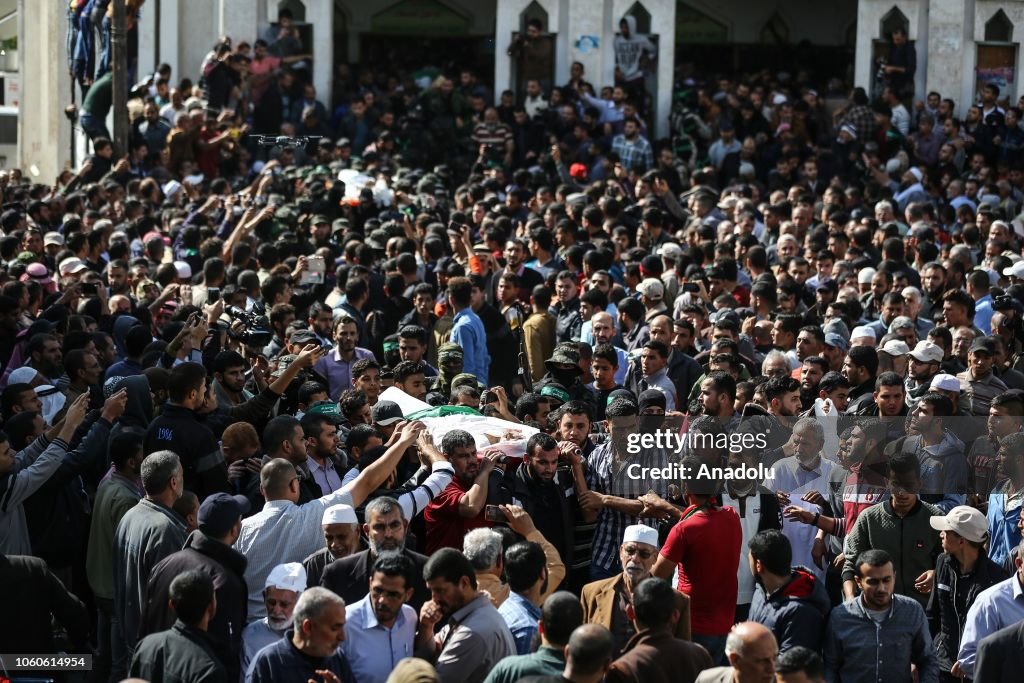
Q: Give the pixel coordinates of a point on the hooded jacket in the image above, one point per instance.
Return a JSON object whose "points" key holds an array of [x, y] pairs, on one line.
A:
{"points": [[943, 470], [946, 616], [796, 613]]}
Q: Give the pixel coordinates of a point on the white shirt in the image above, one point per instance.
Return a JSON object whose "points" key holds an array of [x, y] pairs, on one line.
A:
{"points": [[791, 478], [414, 501], [373, 650], [750, 521], [282, 532]]}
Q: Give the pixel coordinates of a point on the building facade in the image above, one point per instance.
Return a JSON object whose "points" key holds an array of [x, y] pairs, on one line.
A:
{"points": [[959, 43]]}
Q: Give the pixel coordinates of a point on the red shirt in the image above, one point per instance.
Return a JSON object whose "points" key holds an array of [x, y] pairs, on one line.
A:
{"points": [[445, 526], [705, 546]]}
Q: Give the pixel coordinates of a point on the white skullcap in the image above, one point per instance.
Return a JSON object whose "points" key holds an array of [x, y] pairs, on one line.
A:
{"points": [[287, 577], [640, 533], [184, 269], [945, 382], [340, 514], [865, 276], [862, 331], [23, 375]]}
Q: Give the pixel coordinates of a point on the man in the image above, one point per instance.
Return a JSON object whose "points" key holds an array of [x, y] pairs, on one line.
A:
{"points": [[84, 371], [515, 263], [281, 591], [654, 653], [547, 491], [539, 331], [527, 575], [341, 535], [997, 607], [310, 650], [860, 368], [46, 357], [184, 652], [207, 549], [386, 529], [654, 363], [476, 637], [1005, 417], [751, 651], [178, 430], [115, 497], [941, 453], [604, 602], [468, 330], [560, 615], [568, 321], [146, 534], [337, 366], [322, 442], [789, 600], [978, 382], [285, 531], [925, 362], [879, 635], [962, 571], [411, 378], [380, 629], [633, 148], [459, 507], [900, 526]]}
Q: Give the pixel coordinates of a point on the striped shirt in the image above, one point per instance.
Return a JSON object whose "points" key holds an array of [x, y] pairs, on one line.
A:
{"points": [[413, 502], [607, 475]]}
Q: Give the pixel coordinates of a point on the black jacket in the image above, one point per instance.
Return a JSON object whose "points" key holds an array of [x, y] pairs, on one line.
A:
{"points": [[31, 595], [178, 429], [946, 614], [226, 566], [1001, 656], [182, 653], [349, 577], [555, 522]]}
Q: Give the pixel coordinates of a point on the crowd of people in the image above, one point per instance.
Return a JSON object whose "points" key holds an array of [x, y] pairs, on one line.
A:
{"points": [[201, 481]]}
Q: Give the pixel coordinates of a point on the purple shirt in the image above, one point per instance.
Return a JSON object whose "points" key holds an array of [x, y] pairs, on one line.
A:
{"points": [[339, 371]]}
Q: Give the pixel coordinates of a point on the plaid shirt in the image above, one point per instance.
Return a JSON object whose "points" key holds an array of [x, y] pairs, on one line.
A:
{"points": [[635, 154], [607, 476], [863, 120]]}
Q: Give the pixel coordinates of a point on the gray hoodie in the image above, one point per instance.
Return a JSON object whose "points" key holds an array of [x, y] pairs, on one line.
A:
{"points": [[943, 470]]}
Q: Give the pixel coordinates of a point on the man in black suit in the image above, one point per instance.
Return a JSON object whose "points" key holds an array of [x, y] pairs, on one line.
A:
{"points": [[1001, 656], [386, 528]]}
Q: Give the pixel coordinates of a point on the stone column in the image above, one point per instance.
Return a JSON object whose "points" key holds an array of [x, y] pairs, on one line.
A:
{"points": [[44, 133], [950, 38]]}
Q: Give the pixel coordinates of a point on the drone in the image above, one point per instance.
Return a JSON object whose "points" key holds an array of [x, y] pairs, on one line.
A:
{"points": [[284, 140]]}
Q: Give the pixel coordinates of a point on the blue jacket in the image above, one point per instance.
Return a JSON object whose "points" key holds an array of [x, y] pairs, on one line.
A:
{"points": [[1003, 534], [795, 613], [858, 649]]}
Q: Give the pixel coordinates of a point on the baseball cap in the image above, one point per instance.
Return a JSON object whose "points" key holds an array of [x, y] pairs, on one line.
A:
{"points": [[70, 266], [901, 322], [895, 347], [983, 344], [945, 382], [962, 520], [220, 512], [670, 250], [387, 413], [53, 238], [652, 289], [927, 352], [303, 337], [287, 577], [836, 340], [1016, 270]]}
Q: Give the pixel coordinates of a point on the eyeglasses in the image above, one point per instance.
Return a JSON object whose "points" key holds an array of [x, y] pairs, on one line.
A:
{"points": [[642, 553]]}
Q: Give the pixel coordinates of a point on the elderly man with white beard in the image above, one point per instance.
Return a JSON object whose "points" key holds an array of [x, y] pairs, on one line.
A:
{"points": [[280, 593], [385, 529], [341, 535]]}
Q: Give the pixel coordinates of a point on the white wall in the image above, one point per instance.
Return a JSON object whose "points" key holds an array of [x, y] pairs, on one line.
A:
{"points": [[983, 12]]}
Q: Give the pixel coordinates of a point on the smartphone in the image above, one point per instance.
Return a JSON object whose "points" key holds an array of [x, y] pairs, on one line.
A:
{"points": [[489, 397], [90, 288], [493, 513], [692, 287], [212, 295]]}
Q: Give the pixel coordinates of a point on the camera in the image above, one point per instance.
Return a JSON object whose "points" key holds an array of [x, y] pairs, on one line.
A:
{"points": [[257, 330]]}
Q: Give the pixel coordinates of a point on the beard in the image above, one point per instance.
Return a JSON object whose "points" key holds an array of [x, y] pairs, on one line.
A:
{"points": [[388, 546], [278, 624]]}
